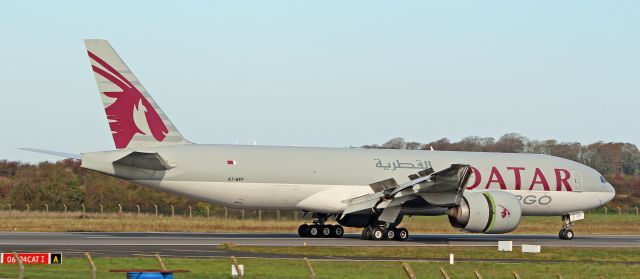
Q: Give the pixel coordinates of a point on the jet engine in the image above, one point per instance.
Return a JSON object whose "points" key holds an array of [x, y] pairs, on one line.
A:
{"points": [[486, 212]]}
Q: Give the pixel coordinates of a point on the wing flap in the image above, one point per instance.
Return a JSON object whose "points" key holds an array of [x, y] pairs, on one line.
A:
{"points": [[442, 188]]}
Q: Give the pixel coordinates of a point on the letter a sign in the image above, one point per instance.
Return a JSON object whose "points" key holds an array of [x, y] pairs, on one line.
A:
{"points": [[55, 259]]}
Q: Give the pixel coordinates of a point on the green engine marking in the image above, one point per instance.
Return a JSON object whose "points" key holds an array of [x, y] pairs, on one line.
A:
{"points": [[492, 211]]}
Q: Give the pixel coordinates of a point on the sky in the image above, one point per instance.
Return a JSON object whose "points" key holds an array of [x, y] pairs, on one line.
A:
{"points": [[325, 73]]}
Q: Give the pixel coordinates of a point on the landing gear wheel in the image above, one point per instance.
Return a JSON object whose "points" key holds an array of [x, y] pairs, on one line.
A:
{"points": [[378, 233], [403, 234], [326, 230], [314, 231], [566, 234], [303, 230], [392, 233], [366, 233], [337, 231]]}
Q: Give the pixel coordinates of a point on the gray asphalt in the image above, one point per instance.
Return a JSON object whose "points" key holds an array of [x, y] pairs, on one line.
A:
{"points": [[207, 244]]}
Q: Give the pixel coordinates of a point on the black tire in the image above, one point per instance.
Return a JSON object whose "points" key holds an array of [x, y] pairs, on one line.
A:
{"points": [[326, 231], [366, 233], [314, 231], [403, 234], [303, 230], [392, 234], [378, 233], [567, 234], [561, 234], [338, 231]]}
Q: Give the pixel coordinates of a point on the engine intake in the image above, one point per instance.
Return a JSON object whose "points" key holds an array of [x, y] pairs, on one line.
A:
{"points": [[486, 212]]}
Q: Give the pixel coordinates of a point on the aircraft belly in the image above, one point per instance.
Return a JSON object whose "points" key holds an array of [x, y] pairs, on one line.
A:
{"points": [[248, 195]]}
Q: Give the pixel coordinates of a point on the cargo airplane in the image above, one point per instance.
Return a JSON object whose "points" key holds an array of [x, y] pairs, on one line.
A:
{"points": [[373, 189]]}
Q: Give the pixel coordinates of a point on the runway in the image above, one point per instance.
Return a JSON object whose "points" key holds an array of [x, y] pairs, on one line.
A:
{"points": [[206, 244]]}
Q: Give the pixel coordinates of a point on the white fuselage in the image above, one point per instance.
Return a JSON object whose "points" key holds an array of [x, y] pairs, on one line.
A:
{"points": [[322, 179]]}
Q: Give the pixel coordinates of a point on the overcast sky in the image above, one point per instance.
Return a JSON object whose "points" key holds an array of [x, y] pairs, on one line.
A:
{"points": [[327, 73]]}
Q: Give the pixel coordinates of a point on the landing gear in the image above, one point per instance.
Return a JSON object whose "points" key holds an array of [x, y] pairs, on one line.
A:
{"points": [[382, 233], [320, 229], [566, 233], [378, 233]]}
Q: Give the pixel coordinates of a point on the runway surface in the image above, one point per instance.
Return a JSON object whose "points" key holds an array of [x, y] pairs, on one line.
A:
{"points": [[206, 244]]}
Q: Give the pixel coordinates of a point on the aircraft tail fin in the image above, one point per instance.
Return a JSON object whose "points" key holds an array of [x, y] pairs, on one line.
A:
{"points": [[135, 119]]}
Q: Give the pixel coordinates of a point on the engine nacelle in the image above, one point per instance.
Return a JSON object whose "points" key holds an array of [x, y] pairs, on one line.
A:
{"points": [[486, 212]]}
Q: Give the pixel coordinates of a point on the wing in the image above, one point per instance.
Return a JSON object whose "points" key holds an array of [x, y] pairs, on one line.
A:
{"points": [[442, 188]]}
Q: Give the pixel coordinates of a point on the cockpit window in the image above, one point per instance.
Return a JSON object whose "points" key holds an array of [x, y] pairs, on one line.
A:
{"points": [[602, 179]]}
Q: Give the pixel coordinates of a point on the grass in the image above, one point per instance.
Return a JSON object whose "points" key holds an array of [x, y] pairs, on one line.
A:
{"points": [[273, 268], [466, 253], [130, 222]]}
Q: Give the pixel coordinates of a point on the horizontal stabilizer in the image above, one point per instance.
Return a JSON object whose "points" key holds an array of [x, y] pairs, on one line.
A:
{"points": [[53, 153], [142, 160]]}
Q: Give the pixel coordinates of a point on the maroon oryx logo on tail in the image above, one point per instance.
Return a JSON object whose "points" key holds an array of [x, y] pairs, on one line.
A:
{"points": [[128, 101]]}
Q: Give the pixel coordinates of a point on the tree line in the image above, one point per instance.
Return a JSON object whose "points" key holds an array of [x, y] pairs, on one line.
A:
{"points": [[64, 182], [607, 158]]}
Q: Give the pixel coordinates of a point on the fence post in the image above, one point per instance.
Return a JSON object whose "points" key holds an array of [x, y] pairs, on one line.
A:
{"points": [[407, 269], [236, 266], [637, 211], [21, 270], [619, 211], [478, 276], [93, 265], [65, 207], [259, 215], [162, 266], [278, 215], [46, 206], [83, 208], [243, 215], [207, 211], [101, 208], [9, 206], [444, 273], [312, 273], [138, 206], [173, 210], [119, 208], [29, 208], [190, 215], [156, 207], [606, 211]]}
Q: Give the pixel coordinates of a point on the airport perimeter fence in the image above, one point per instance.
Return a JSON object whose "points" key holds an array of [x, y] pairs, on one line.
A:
{"points": [[199, 211], [213, 211]]}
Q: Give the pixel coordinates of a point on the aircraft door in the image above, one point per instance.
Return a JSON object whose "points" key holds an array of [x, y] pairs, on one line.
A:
{"points": [[576, 184]]}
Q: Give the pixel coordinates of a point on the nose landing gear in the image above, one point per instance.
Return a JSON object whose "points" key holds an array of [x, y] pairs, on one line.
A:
{"points": [[566, 233]]}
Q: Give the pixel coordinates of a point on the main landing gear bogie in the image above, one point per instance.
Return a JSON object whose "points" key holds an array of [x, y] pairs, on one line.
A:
{"points": [[382, 233], [316, 230]]}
